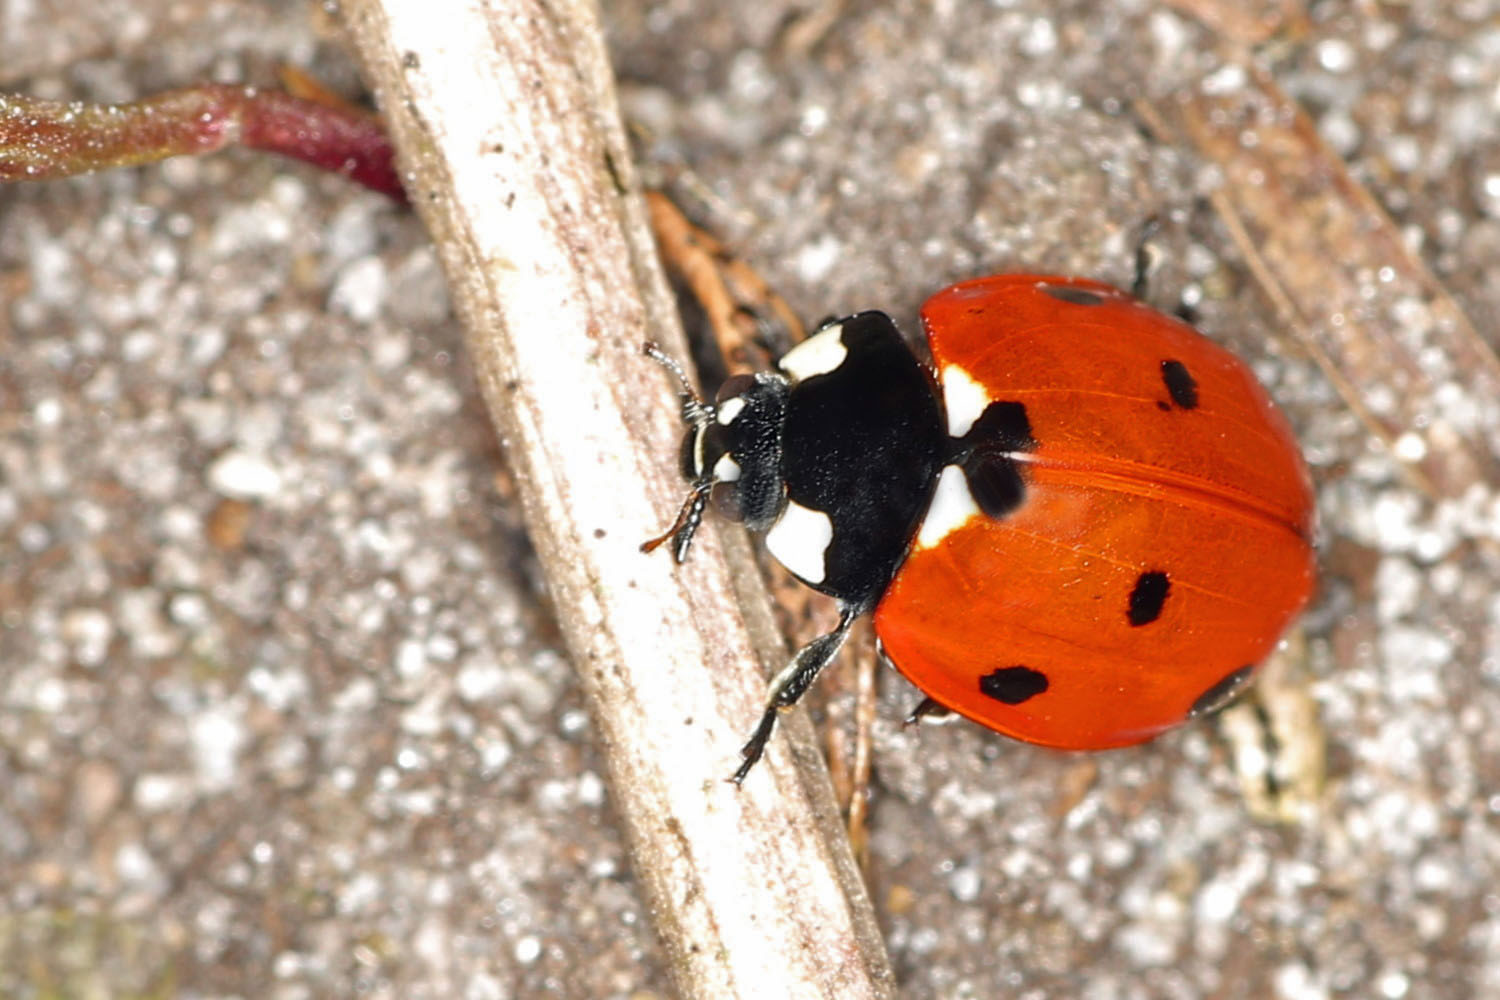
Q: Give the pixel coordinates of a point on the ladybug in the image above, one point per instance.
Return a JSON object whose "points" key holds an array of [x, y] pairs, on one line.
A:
{"points": [[1083, 524]]}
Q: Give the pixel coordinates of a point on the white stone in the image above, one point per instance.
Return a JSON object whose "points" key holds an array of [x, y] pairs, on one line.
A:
{"points": [[244, 476]]}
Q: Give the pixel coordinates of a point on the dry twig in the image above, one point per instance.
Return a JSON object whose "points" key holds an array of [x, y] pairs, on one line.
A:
{"points": [[1382, 328], [505, 115]]}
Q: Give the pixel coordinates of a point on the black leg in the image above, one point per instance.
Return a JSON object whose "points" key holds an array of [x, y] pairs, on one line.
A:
{"points": [[926, 709], [689, 516], [791, 684], [1144, 257]]}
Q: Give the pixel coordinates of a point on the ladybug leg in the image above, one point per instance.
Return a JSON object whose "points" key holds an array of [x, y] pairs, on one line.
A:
{"points": [[1145, 257], [689, 516], [792, 683], [926, 709]]}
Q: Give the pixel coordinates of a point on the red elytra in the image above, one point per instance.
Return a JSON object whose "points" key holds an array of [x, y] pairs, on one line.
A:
{"points": [[1158, 468]]}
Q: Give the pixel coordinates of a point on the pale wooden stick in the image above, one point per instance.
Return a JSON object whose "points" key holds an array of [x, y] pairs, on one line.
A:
{"points": [[505, 117]]}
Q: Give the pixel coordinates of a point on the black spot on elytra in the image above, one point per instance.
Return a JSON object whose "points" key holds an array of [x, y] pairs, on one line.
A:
{"points": [[1076, 296], [1002, 426], [1181, 385], [995, 483], [1148, 597], [1222, 694], [1013, 685], [985, 454]]}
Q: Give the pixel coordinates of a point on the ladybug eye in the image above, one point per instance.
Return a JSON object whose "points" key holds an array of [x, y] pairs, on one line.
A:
{"points": [[734, 385], [726, 500]]}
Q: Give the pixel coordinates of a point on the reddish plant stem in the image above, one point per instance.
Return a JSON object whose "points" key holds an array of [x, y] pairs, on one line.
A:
{"points": [[43, 140]]}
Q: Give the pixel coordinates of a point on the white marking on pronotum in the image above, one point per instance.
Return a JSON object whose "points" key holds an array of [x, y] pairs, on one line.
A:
{"points": [[799, 540], [963, 398], [726, 470], [817, 355], [729, 409], [952, 506]]}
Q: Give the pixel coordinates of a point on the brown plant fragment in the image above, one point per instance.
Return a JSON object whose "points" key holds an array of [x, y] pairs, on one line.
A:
{"points": [[734, 297], [1380, 325], [1246, 23]]}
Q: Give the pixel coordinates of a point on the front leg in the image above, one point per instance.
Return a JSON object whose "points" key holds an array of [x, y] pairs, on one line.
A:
{"points": [[789, 686]]}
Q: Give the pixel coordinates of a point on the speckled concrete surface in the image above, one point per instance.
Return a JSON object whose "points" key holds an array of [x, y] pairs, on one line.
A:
{"points": [[919, 143], [282, 711]]}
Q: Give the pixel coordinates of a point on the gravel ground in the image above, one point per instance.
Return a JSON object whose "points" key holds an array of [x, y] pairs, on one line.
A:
{"points": [[283, 711]]}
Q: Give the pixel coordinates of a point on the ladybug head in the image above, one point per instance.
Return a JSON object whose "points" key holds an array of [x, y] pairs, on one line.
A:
{"points": [[731, 452]]}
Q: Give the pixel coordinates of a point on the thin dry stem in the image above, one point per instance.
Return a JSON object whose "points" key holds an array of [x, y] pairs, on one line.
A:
{"points": [[505, 115]]}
